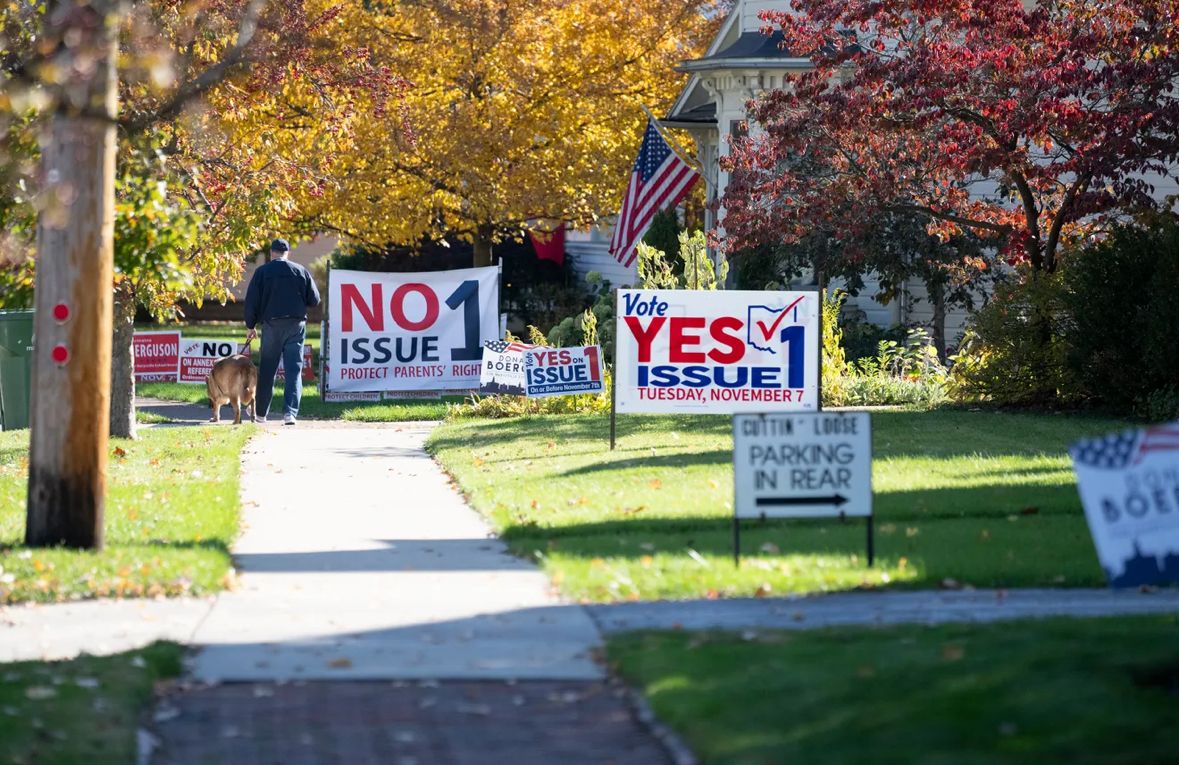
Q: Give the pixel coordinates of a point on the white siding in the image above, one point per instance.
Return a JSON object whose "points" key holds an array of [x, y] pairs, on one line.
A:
{"points": [[750, 21], [586, 251]]}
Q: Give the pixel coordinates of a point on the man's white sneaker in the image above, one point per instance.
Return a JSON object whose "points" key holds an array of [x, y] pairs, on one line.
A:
{"points": [[288, 419], [260, 420]]}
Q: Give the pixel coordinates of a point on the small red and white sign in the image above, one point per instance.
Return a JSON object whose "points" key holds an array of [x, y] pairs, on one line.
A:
{"points": [[308, 370], [197, 357], [157, 356]]}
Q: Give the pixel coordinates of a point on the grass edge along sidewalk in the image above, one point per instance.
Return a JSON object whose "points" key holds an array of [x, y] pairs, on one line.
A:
{"points": [[85, 710], [984, 499], [312, 407], [172, 512], [1096, 690]]}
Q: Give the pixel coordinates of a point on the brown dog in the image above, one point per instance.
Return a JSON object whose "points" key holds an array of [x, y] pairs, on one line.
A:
{"points": [[233, 380]]}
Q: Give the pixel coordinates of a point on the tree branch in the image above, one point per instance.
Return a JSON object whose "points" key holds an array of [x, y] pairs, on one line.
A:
{"points": [[234, 56]]}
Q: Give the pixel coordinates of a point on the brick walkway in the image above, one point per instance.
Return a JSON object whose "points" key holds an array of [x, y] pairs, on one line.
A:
{"points": [[403, 723]]}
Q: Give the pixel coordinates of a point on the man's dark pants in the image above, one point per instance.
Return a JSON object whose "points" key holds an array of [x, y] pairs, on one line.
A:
{"points": [[282, 339]]}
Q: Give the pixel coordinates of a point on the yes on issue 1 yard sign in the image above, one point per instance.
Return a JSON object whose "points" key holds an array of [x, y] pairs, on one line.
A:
{"points": [[719, 352], [802, 465]]}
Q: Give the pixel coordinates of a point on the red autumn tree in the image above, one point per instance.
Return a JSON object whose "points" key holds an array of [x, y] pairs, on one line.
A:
{"points": [[1018, 125]]}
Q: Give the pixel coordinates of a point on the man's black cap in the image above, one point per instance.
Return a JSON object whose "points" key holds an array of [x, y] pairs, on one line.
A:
{"points": [[279, 245]]}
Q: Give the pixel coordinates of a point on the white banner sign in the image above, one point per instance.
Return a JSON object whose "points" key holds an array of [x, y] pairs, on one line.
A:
{"points": [[1129, 485], [563, 371], [802, 465], [717, 352], [420, 331]]}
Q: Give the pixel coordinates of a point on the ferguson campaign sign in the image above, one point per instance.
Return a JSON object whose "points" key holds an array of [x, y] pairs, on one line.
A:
{"points": [[410, 332], [157, 355], [717, 352]]}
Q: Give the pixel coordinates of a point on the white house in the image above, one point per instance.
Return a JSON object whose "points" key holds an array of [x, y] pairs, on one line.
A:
{"points": [[741, 63]]}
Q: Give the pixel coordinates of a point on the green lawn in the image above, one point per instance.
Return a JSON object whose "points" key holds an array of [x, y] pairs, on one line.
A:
{"points": [[1083, 692], [223, 330], [171, 515], [80, 711], [962, 498]]}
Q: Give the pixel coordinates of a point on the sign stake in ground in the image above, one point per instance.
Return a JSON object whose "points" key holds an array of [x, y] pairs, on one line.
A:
{"points": [[803, 465]]}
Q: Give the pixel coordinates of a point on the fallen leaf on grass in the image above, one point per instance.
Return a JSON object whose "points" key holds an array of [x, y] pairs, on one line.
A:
{"points": [[713, 484], [763, 590], [646, 561], [120, 452], [952, 652], [655, 483]]}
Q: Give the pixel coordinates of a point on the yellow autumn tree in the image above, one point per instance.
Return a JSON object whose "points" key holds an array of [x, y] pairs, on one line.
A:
{"points": [[516, 110]]}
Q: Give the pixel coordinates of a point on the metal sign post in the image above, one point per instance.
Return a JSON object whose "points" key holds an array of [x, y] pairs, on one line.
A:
{"points": [[614, 382], [802, 465]]}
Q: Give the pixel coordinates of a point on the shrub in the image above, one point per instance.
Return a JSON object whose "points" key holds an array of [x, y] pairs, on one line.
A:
{"points": [[1122, 299], [1012, 352], [907, 373], [835, 367], [571, 330], [1158, 406]]}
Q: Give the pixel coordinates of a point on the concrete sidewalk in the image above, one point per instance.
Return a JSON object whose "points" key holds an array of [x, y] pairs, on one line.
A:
{"points": [[359, 560]]}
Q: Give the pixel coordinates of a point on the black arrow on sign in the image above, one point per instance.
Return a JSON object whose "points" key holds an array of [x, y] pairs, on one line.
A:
{"points": [[831, 499]]}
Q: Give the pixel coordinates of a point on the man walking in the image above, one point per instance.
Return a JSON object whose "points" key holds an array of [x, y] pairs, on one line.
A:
{"points": [[278, 297]]}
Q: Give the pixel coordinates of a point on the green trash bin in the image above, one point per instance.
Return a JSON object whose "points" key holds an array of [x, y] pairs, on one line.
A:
{"points": [[16, 368]]}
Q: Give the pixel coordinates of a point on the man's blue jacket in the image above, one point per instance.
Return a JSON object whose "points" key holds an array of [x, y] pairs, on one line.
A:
{"points": [[280, 289]]}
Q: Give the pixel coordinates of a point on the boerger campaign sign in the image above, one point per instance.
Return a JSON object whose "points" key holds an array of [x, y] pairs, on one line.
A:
{"points": [[503, 367], [717, 352], [802, 465], [1129, 485], [422, 331], [198, 355], [157, 356], [563, 371]]}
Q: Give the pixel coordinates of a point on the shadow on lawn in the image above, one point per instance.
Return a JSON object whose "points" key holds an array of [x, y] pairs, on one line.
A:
{"points": [[1038, 551]]}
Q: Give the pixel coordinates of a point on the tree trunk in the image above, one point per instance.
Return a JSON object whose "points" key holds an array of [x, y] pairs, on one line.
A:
{"points": [[70, 411], [123, 367], [937, 296], [482, 247]]}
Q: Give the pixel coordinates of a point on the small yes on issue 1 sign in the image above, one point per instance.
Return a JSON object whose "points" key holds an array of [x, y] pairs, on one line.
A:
{"points": [[1129, 485], [802, 465]]}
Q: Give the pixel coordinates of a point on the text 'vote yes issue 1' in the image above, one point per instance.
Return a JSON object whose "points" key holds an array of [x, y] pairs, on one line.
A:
{"points": [[802, 465]]}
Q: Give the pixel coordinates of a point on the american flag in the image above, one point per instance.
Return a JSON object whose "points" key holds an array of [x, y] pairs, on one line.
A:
{"points": [[1118, 450], [505, 346], [659, 179]]}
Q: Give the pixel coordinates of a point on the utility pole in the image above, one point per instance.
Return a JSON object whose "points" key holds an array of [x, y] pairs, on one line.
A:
{"points": [[72, 328]]}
